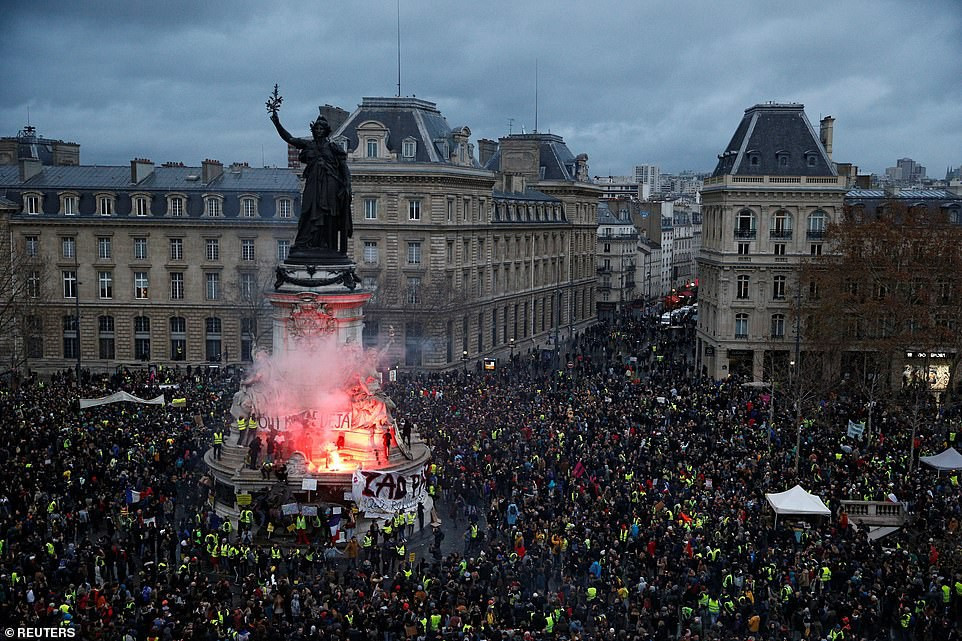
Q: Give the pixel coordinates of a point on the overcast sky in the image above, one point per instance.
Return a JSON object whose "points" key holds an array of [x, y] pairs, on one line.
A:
{"points": [[627, 82]]}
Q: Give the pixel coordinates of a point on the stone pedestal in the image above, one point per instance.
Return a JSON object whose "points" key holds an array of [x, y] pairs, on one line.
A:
{"points": [[311, 303]]}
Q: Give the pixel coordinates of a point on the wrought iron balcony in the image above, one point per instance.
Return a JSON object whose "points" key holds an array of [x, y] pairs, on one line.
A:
{"points": [[745, 233], [815, 234], [780, 234]]}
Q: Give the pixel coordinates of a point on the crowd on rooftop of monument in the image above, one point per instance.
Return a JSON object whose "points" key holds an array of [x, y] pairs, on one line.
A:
{"points": [[615, 499]]}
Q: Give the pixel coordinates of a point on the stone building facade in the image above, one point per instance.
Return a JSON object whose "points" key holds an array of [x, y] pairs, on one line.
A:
{"points": [[766, 206], [469, 257], [163, 264]]}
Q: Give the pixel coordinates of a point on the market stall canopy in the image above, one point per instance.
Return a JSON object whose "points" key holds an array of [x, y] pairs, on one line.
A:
{"points": [[797, 501], [119, 397], [950, 459]]}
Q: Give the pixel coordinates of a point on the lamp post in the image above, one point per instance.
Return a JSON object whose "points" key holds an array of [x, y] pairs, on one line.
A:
{"points": [[464, 361], [511, 345]]}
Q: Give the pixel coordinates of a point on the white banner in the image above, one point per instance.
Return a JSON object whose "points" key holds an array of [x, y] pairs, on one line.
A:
{"points": [[118, 397], [387, 492]]}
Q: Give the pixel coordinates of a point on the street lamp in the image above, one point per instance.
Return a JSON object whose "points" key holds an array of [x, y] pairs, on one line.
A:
{"points": [[511, 344], [464, 361]]}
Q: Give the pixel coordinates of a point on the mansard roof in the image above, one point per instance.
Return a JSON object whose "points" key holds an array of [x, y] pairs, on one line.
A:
{"points": [[768, 133], [405, 118], [555, 159], [165, 179]]}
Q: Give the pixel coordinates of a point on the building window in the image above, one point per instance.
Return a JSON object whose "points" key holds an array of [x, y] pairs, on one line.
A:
{"points": [[213, 285], [778, 325], [247, 249], [414, 210], [31, 245], [176, 286], [781, 225], [141, 206], [103, 248], [742, 289], [778, 249], [106, 336], [105, 205], [69, 283], [68, 247], [178, 338], [71, 342], [414, 253], [414, 290], [743, 249], [741, 325], [177, 249], [247, 286], [745, 224], [140, 249], [70, 205], [248, 334], [141, 285], [175, 206], [248, 207], [371, 147], [142, 338], [283, 249], [413, 344], [213, 342], [778, 288], [450, 214], [284, 208], [31, 203], [213, 249], [370, 252], [817, 222], [370, 209], [408, 148], [33, 283], [607, 248], [34, 336], [212, 206], [816, 249], [106, 281], [369, 334]]}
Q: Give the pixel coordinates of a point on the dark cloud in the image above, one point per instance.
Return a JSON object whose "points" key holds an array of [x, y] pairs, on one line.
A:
{"points": [[626, 83]]}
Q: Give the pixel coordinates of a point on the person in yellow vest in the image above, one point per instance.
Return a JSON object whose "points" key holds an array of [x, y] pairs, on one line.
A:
{"points": [[242, 431], [218, 443], [246, 519], [410, 522], [300, 526], [252, 426]]}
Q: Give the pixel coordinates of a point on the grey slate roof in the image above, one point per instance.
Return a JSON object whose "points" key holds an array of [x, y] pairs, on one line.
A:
{"points": [[554, 157], [767, 131], [404, 118], [528, 194]]}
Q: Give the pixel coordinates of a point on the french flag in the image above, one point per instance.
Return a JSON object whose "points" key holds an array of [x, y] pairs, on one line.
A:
{"points": [[133, 496]]}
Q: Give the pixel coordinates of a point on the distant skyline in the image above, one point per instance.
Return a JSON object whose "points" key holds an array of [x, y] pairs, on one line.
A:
{"points": [[626, 83]]}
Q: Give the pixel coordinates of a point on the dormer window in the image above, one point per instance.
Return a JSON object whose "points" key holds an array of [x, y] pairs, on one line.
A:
{"points": [[32, 203], [105, 204], [214, 206], [781, 158], [409, 148], [69, 204], [371, 147], [341, 142], [248, 207], [140, 205]]}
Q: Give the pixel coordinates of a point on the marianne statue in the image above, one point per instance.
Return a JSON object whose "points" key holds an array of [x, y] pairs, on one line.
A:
{"points": [[325, 223]]}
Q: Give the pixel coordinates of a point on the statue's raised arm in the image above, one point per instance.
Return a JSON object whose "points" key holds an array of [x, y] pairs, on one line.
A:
{"points": [[274, 106]]}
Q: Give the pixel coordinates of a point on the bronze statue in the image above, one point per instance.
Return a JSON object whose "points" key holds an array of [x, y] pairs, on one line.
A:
{"points": [[325, 223]]}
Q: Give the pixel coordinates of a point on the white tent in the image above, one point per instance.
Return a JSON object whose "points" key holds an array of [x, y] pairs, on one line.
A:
{"points": [[797, 501], [950, 459]]}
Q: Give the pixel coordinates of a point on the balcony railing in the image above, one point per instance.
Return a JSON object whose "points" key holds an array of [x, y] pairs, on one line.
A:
{"points": [[726, 180], [780, 234], [815, 234], [745, 233], [740, 336], [604, 270]]}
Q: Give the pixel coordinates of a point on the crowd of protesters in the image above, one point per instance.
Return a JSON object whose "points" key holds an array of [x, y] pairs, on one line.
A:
{"points": [[619, 498]]}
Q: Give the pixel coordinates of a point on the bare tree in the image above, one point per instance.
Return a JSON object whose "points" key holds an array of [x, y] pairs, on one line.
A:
{"points": [[23, 285]]}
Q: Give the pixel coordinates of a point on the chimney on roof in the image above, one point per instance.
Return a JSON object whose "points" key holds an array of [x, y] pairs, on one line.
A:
{"points": [[29, 167], [486, 149], [140, 169], [211, 170], [825, 134]]}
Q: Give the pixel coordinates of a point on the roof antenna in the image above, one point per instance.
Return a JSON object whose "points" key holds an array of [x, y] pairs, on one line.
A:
{"points": [[398, 48], [510, 125], [535, 95]]}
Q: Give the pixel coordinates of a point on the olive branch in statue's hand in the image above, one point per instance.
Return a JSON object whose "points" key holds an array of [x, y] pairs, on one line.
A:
{"points": [[274, 102]]}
